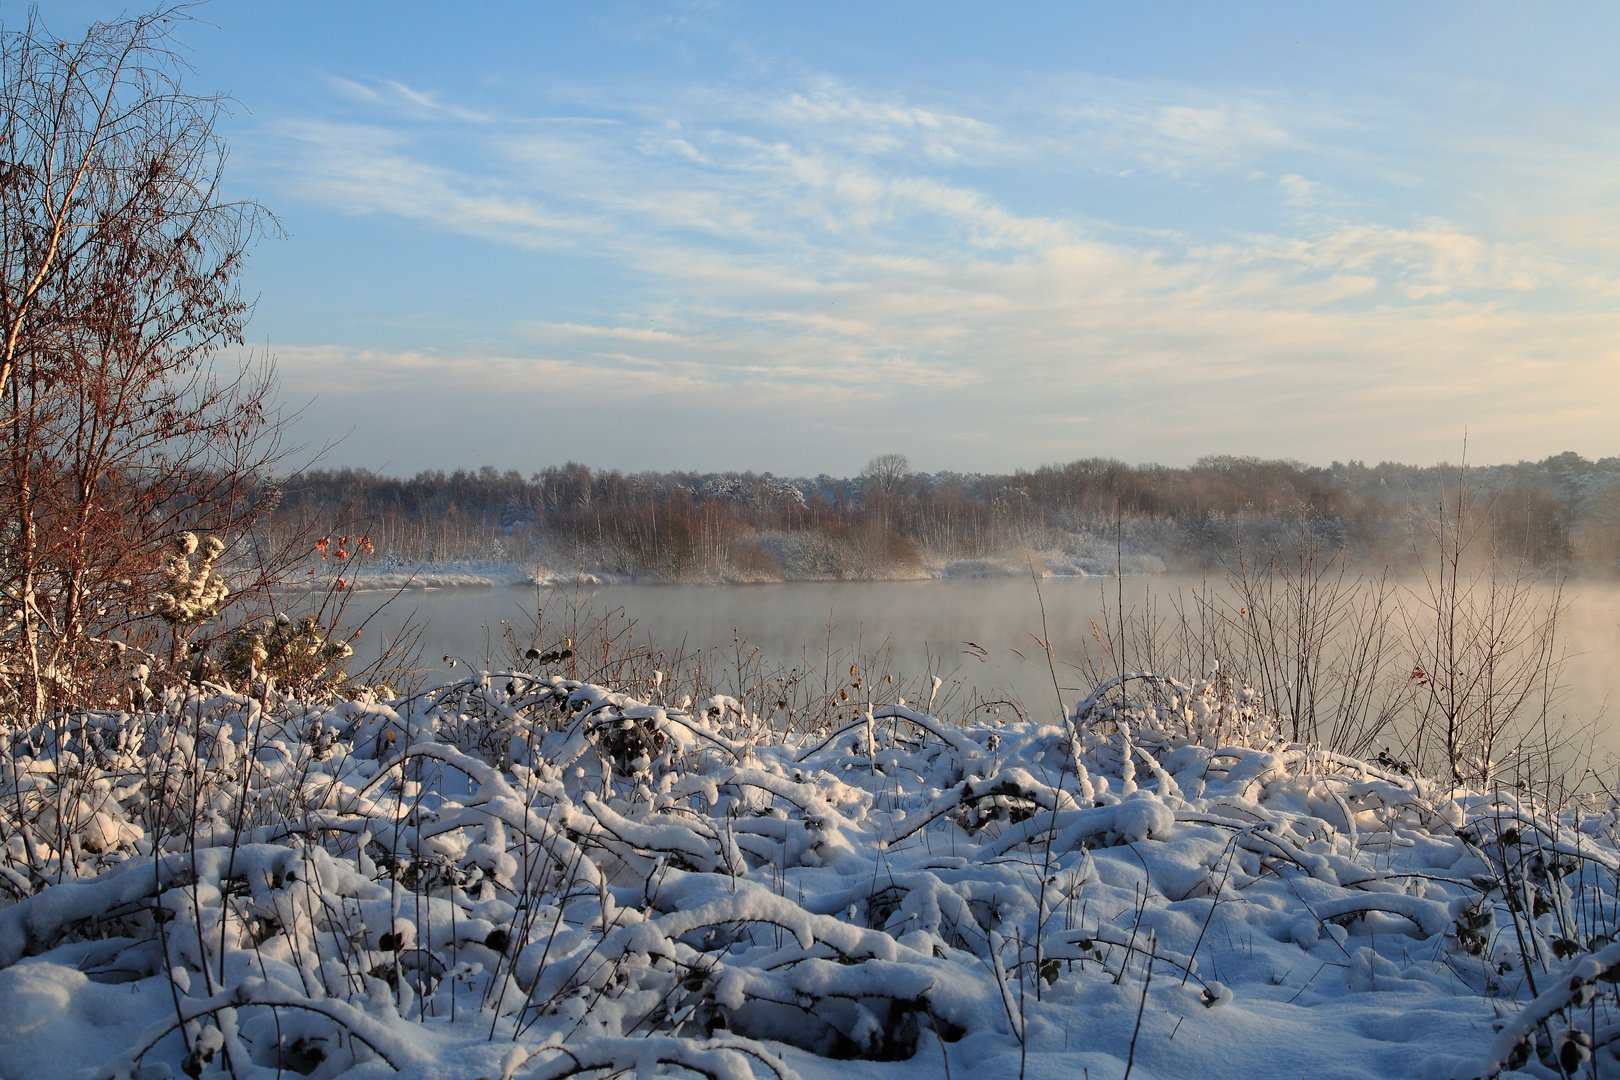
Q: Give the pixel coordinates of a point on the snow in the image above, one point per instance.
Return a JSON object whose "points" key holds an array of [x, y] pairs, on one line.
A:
{"points": [[526, 877], [474, 574], [482, 574]]}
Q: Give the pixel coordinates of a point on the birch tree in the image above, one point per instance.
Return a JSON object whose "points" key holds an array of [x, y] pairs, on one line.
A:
{"points": [[121, 426]]}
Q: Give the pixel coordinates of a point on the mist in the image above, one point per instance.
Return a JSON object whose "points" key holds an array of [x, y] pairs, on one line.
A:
{"points": [[916, 629]]}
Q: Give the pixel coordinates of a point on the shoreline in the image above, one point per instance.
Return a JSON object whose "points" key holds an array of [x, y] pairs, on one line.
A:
{"points": [[514, 575]]}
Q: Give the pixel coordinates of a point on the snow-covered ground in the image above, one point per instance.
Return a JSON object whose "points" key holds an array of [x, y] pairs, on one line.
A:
{"points": [[524, 876], [457, 574], [491, 574]]}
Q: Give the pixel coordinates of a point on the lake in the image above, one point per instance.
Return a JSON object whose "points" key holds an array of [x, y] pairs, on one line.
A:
{"points": [[926, 625]]}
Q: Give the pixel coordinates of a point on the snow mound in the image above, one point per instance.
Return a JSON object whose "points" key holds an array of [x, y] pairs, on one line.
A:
{"points": [[522, 876]]}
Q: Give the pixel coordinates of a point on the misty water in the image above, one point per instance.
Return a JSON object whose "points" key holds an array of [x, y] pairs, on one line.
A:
{"points": [[926, 625]]}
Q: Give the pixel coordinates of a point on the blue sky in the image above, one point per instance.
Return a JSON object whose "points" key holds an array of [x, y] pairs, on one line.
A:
{"points": [[788, 237]]}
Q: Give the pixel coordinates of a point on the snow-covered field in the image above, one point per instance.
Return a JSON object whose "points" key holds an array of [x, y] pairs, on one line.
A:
{"points": [[524, 876], [442, 575]]}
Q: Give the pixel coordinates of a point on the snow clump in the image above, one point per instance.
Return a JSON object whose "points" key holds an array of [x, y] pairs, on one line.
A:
{"points": [[522, 876]]}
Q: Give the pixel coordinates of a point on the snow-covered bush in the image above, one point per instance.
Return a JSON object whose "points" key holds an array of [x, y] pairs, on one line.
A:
{"points": [[529, 876], [298, 654], [192, 595]]}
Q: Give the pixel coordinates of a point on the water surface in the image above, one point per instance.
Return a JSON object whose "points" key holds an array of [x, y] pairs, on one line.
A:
{"points": [[927, 625]]}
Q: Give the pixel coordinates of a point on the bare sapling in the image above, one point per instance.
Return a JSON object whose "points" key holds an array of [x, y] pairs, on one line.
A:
{"points": [[1481, 627], [125, 428]]}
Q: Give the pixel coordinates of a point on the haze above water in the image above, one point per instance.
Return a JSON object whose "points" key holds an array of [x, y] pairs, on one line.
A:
{"points": [[922, 622]]}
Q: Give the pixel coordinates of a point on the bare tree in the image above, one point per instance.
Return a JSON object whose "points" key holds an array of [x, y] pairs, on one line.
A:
{"points": [[1483, 636], [119, 285], [882, 480], [887, 472]]}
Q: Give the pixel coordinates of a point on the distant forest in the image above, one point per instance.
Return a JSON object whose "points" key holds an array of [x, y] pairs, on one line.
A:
{"points": [[1091, 516]]}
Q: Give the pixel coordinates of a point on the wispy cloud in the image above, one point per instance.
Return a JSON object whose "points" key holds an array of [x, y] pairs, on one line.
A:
{"points": [[858, 260], [366, 169]]}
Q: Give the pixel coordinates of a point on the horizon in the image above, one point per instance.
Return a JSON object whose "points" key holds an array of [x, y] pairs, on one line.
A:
{"points": [[772, 237], [1204, 461]]}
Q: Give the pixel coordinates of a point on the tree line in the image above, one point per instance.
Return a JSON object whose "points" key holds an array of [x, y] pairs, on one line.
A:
{"points": [[893, 521]]}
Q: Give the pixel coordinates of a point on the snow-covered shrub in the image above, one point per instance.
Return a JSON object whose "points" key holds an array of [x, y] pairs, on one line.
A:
{"points": [[529, 876], [297, 653], [192, 594]]}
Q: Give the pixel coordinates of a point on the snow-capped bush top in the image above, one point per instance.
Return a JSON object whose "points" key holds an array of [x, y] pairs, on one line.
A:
{"points": [[192, 595]]}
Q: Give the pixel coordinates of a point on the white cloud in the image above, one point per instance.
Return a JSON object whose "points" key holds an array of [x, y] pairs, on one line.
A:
{"points": [[841, 261], [1298, 191], [367, 169]]}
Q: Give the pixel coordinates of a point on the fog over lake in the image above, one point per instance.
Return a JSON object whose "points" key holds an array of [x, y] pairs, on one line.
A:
{"points": [[921, 622]]}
